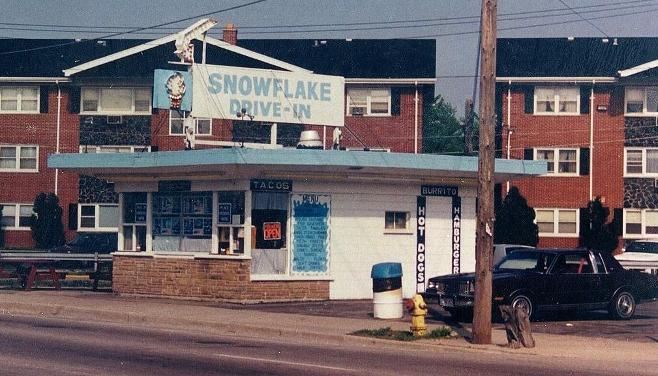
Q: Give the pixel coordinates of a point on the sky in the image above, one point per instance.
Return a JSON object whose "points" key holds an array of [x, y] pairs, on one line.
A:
{"points": [[452, 23]]}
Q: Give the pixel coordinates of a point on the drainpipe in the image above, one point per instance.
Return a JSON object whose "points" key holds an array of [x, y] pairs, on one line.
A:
{"points": [[59, 117], [509, 123], [416, 118], [591, 140]]}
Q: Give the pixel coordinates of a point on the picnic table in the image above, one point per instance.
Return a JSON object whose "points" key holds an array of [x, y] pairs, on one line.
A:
{"points": [[31, 267]]}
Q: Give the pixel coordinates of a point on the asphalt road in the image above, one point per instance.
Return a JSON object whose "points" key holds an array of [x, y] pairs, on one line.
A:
{"points": [[38, 346]]}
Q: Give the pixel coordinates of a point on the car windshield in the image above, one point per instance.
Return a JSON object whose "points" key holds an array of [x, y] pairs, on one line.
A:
{"points": [[526, 260], [644, 247]]}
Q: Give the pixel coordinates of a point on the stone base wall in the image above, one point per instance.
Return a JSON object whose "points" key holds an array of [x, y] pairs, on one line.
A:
{"points": [[206, 279]]}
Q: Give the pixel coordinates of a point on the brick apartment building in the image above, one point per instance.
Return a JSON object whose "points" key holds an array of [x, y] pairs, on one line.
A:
{"points": [[70, 96], [589, 107]]}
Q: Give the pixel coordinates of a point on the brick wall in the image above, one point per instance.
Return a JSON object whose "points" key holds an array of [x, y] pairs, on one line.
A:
{"points": [[210, 279], [40, 129], [571, 131]]}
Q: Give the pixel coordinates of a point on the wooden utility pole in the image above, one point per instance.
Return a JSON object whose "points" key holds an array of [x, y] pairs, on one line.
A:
{"points": [[485, 212]]}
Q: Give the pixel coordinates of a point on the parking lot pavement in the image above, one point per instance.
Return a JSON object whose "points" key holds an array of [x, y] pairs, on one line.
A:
{"points": [[642, 328]]}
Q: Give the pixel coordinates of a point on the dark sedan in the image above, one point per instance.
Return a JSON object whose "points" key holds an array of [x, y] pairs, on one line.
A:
{"points": [[551, 279]]}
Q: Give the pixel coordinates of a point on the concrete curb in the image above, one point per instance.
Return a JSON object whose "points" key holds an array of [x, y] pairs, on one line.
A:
{"points": [[239, 329]]}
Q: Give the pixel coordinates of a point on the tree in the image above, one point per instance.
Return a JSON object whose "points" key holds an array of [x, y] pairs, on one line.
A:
{"points": [[442, 131], [46, 222], [515, 221], [597, 233]]}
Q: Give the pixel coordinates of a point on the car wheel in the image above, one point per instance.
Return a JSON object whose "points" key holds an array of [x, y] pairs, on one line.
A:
{"points": [[622, 305], [524, 303]]}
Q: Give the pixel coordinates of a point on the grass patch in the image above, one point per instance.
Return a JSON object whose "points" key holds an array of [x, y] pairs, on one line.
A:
{"points": [[405, 335]]}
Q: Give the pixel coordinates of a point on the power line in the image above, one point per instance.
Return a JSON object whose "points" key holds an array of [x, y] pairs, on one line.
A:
{"points": [[614, 6], [583, 18], [137, 29]]}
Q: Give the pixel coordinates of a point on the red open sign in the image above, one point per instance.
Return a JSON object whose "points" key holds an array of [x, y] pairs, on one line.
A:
{"points": [[271, 230]]}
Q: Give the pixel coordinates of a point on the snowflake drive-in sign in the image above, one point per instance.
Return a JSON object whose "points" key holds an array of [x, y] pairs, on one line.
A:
{"points": [[269, 95]]}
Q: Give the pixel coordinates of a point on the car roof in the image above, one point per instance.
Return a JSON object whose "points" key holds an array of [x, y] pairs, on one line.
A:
{"points": [[558, 250]]}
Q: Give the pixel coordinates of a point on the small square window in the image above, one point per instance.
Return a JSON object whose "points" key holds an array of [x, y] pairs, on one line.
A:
{"points": [[396, 220]]}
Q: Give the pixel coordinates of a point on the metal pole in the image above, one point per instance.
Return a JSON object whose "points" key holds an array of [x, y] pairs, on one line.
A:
{"points": [[485, 212]]}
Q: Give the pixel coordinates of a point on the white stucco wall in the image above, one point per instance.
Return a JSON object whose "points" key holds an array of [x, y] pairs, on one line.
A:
{"points": [[358, 238]]}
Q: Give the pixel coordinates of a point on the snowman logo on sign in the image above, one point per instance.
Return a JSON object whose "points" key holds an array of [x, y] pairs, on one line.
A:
{"points": [[176, 89]]}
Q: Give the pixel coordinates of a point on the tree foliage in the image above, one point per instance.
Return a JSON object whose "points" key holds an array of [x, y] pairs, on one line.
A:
{"points": [[598, 233], [46, 222], [515, 221], [442, 131]]}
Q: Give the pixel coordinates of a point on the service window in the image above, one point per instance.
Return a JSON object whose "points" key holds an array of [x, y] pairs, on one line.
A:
{"points": [[269, 218]]}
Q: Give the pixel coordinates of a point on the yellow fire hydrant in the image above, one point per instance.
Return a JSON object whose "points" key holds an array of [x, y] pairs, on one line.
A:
{"points": [[418, 309]]}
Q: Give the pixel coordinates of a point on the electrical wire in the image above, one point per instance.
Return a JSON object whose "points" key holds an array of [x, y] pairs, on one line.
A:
{"points": [[561, 11], [583, 18], [137, 29]]}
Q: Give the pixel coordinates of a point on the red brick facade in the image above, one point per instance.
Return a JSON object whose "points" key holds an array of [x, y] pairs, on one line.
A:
{"points": [[208, 279], [39, 129], [569, 131]]}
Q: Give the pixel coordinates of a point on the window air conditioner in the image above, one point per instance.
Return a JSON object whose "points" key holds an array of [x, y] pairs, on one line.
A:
{"points": [[357, 111]]}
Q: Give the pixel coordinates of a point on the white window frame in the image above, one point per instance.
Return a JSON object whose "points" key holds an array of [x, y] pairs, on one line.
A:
{"points": [[556, 161], [99, 110], [644, 101], [97, 227], [556, 224], [99, 149], [556, 101], [17, 216], [643, 223], [368, 109], [394, 230], [18, 159], [644, 162], [19, 99], [196, 125]]}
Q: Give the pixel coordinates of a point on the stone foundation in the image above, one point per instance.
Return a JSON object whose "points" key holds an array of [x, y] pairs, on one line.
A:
{"points": [[207, 279]]}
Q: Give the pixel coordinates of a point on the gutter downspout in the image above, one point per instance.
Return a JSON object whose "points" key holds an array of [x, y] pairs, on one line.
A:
{"points": [[416, 118], [591, 140], [509, 122], [59, 117]]}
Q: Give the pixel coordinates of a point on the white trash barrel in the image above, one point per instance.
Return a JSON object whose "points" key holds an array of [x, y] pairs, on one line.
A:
{"points": [[387, 290]]}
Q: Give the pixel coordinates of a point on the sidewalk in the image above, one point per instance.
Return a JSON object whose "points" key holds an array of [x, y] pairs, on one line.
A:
{"points": [[249, 320]]}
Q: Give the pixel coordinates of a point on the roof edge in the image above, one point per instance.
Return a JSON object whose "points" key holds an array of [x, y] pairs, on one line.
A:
{"points": [[601, 80], [414, 81]]}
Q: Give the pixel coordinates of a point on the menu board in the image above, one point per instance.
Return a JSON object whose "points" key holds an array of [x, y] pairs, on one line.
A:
{"points": [[310, 234], [224, 214]]}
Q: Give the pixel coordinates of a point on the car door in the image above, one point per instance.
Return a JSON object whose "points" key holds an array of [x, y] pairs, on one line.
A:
{"points": [[575, 280]]}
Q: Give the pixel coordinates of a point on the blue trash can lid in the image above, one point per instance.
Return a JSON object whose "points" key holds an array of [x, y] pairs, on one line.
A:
{"points": [[386, 270]]}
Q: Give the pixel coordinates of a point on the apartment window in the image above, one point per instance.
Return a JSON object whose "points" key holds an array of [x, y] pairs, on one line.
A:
{"points": [[394, 220], [557, 100], [641, 100], [19, 99], [369, 102], [640, 222], [98, 217], [557, 222], [641, 161], [116, 100], [92, 149], [16, 216], [202, 126], [559, 161], [19, 158]]}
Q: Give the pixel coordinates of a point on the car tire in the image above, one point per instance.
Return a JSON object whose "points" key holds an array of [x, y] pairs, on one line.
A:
{"points": [[622, 306], [524, 302]]}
